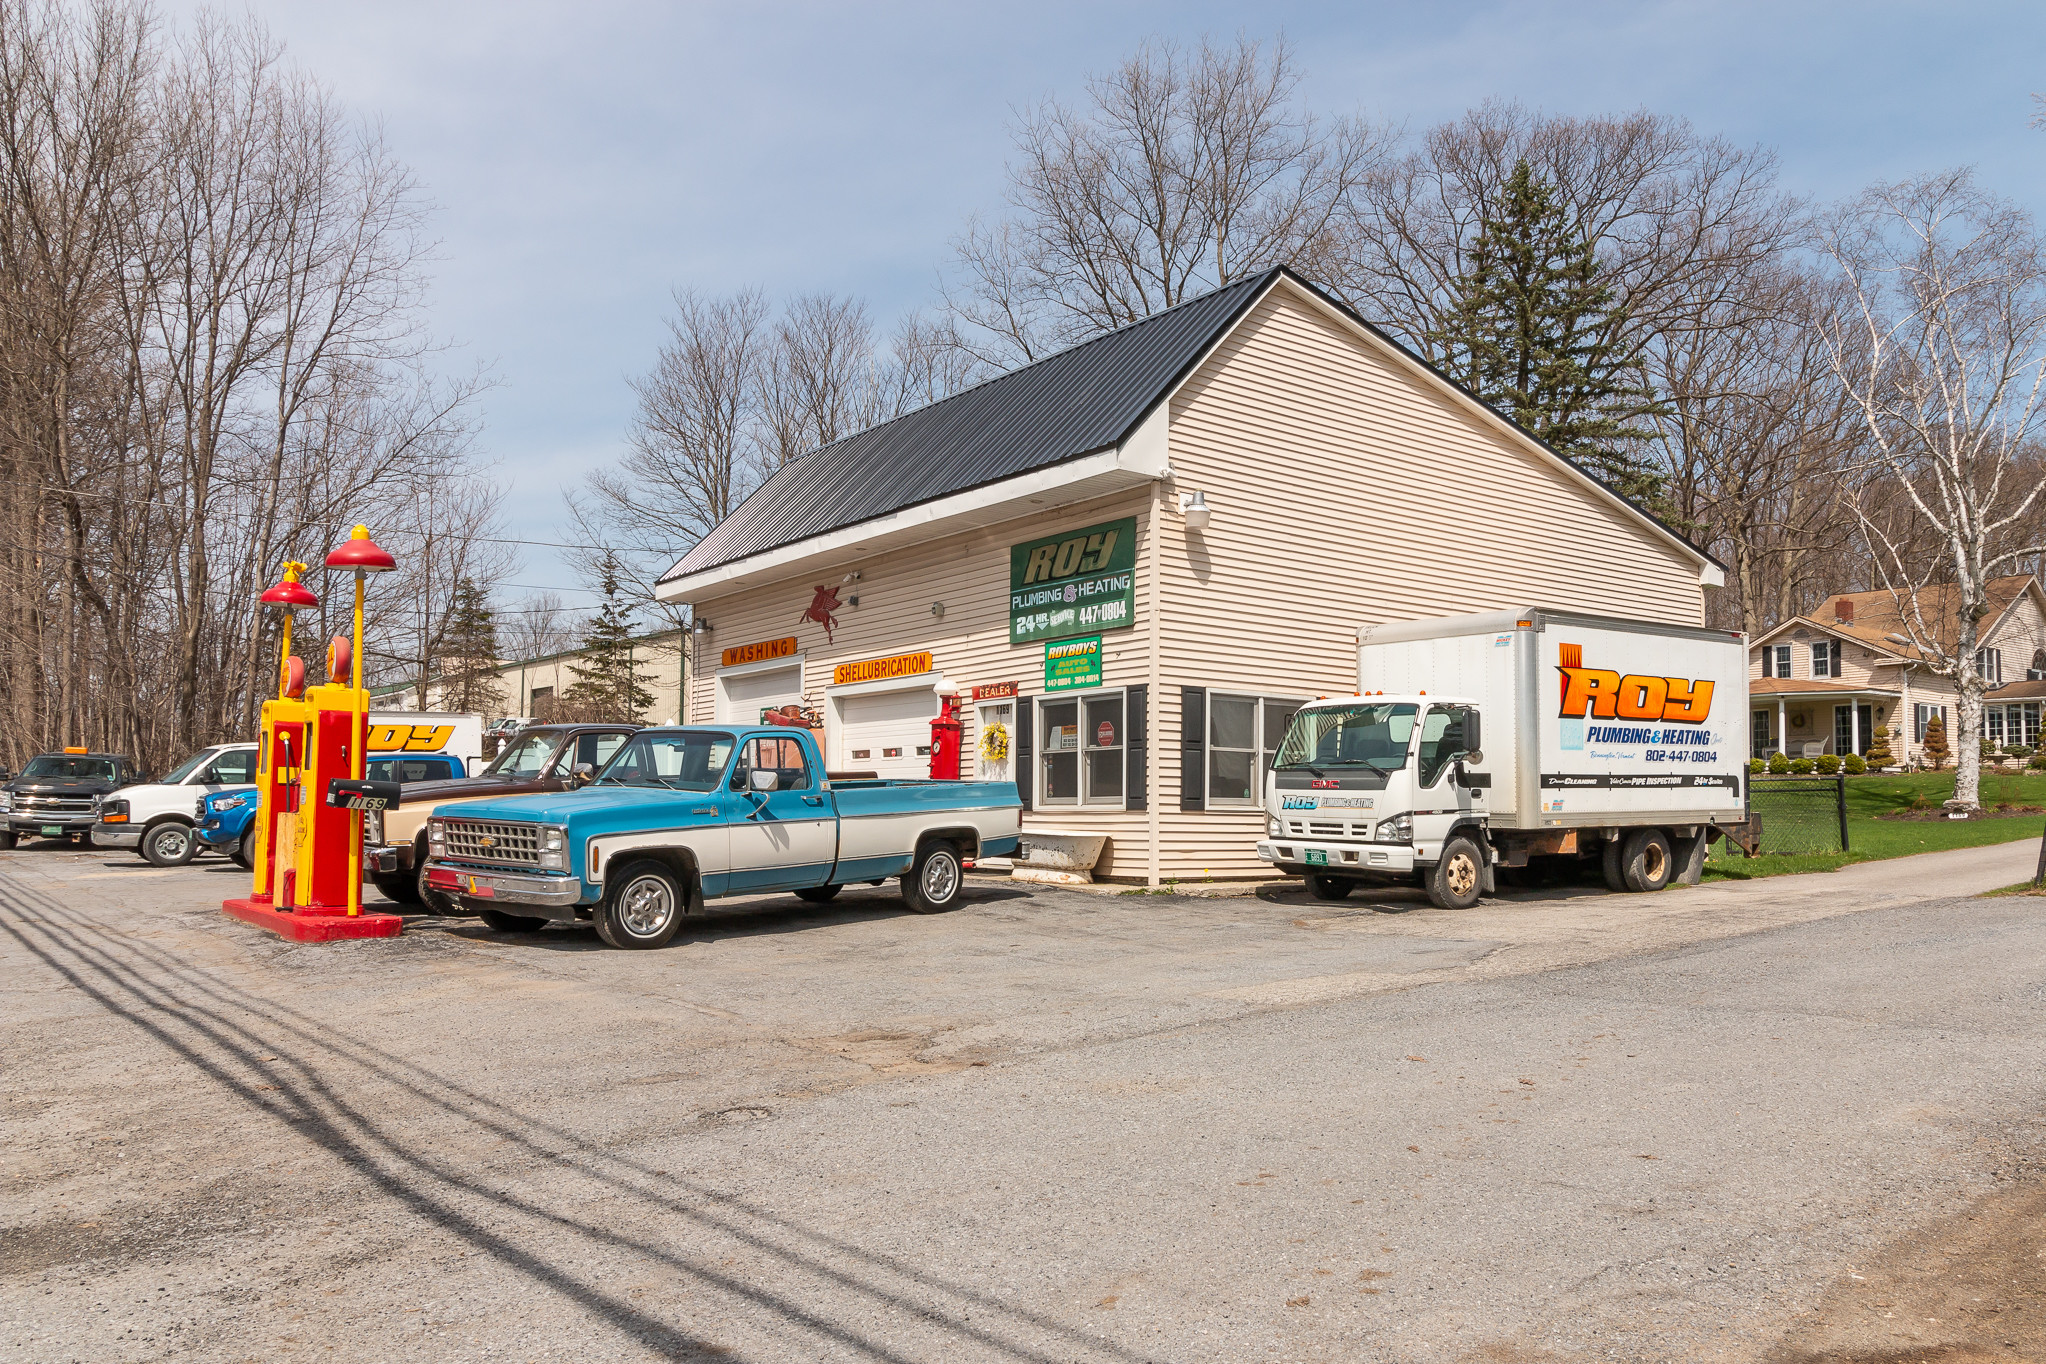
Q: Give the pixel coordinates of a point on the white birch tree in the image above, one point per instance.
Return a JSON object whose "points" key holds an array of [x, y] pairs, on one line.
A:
{"points": [[1943, 352]]}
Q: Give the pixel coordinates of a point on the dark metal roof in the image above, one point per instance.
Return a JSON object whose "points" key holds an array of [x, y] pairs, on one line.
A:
{"points": [[1074, 403]]}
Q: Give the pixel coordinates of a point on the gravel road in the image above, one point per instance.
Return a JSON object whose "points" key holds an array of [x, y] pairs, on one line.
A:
{"points": [[1789, 1121]]}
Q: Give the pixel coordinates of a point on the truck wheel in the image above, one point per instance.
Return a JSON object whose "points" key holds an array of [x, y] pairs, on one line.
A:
{"points": [[1322, 886], [935, 879], [424, 895], [642, 908], [1610, 865], [1458, 879], [169, 844], [396, 885], [245, 851], [1646, 860], [819, 895], [511, 923]]}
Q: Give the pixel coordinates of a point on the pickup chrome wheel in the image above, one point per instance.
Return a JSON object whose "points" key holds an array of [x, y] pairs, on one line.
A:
{"points": [[170, 844], [934, 880], [642, 908], [1458, 879]]}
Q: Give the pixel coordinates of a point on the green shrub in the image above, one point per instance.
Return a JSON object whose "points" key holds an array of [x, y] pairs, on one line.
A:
{"points": [[1801, 767], [1854, 764], [1879, 754], [1778, 764], [1829, 763], [2038, 762], [1756, 767]]}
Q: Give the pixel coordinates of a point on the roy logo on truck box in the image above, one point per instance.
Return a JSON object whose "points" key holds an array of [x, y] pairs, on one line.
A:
{"points": [[1605, 694], [409, 738]]}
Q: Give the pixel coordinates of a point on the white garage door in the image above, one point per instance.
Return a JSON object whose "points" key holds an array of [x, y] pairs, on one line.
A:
{"points": [[888, 733], [742, 698]]}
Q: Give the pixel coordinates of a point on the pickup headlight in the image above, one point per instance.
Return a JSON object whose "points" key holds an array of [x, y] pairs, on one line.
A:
{"points": [[373, 826], [554, 849], [6, 802], [436, 834], [1398, 829], [231, 803]]}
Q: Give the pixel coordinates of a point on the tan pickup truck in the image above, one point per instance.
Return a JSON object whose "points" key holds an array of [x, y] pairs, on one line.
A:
{"points": [[538, 758]]}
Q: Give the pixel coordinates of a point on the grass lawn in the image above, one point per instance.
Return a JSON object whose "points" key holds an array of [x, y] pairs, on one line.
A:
{"points": [[1873, 839]]}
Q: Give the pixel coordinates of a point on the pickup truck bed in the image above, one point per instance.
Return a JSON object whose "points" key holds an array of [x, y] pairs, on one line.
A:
{"points": [[685, 815]]}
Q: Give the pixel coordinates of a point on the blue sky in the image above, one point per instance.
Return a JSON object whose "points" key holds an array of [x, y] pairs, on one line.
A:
{"points": [[587, 158]]}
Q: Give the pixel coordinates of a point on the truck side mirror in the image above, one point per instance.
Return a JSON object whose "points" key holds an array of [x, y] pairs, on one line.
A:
{"points": [[583, 773], [763, 778], [1473, 749]]}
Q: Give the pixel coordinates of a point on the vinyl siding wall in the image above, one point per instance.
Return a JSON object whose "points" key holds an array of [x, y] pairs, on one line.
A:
{"points": [[970, 644], [1346, 492]]}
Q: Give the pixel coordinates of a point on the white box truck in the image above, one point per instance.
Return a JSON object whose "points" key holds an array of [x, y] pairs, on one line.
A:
{"points": [[1476, 742]]}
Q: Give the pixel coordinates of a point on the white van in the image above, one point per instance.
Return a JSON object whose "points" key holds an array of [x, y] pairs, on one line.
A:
{"points": [[158, 819]]}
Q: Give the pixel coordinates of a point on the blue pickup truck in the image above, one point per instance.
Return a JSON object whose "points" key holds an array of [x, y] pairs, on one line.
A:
{"points": [[682, 815]]}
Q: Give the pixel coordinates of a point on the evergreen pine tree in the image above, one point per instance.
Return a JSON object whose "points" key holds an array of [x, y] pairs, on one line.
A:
{"points": [[1879, 754], [1536, 334], [469, 653], [607, 683]]}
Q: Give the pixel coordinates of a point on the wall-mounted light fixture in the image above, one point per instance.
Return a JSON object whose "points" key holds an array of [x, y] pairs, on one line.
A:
{"points": [[851, 577], [938, 609], [1193, 509], [699, 626]]}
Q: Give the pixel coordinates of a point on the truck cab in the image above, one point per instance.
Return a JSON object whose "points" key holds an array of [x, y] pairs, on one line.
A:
{"points": [[1381, 789], [56, 794]]}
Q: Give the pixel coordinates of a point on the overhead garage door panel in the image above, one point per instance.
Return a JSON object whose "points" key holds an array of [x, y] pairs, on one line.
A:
{"points": [[888, 732], [742, 698]]}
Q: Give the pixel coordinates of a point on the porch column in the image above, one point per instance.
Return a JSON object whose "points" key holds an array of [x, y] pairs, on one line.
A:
{"points": [[1854, 725], [1782, 723]]}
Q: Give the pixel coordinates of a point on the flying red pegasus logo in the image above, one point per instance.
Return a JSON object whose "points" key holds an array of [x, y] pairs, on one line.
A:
{"points": [[823, 608]]}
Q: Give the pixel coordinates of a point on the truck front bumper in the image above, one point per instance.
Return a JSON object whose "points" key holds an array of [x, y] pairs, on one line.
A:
{"points": [[1298, 857], [116, 835], [483, 889], [377, 859]]}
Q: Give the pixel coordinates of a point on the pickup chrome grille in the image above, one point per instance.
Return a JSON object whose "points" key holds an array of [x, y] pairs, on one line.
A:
{"points": [[480, 840], [54, 805]]}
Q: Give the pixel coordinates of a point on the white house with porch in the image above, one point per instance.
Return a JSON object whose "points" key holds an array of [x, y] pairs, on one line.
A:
{"points": [[1825, 683]]}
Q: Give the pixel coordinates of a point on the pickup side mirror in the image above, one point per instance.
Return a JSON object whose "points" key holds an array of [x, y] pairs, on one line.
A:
{"points": [[763, 779], [582, 774]]}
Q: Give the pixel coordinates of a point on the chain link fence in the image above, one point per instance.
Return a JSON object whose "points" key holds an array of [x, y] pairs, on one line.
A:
{"points": [[1800, 814]]}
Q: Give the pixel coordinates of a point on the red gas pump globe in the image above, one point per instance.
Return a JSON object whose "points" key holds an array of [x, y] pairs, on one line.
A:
{"points": [[290, 595], [360, 553]]}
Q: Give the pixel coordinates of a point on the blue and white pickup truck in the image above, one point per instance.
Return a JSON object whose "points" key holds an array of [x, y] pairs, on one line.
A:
{"points": [[682, 815]]}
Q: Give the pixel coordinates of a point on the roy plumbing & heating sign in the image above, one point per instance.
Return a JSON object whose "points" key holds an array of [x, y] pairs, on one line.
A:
{"points": [[1076, 582]]}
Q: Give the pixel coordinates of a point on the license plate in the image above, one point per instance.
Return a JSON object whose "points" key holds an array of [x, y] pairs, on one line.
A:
{"points": [[1316, 858], [53, 831]]}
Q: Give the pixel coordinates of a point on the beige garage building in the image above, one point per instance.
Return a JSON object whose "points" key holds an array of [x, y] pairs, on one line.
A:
{"points": [[1127, 563]]}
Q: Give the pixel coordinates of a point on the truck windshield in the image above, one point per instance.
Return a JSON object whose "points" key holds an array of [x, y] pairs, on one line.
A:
{"points": [[678, 759], [56, 767], [525, 758], [185, 768], [1367, 734]]}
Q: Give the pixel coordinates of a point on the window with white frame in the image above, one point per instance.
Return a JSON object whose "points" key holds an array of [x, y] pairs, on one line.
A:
{"points": [[1825, 658], [1243, 734], [1989, 663], [1776, 660], [1080, 750], [1992, 726], [1922, 716]]}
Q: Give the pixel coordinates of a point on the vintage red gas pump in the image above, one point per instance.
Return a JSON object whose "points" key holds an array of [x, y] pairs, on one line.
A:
{"points": [[308, 863], [945, 743]]}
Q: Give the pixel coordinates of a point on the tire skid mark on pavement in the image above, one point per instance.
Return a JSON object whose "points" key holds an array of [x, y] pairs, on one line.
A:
{"points": [[320, 1114]]}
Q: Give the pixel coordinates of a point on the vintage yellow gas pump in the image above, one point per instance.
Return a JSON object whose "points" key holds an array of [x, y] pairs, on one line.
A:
{"points": [[308, 863]]}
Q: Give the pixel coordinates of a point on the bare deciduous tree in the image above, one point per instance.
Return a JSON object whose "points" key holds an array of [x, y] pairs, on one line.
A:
{"points": [[1183, 172], [1943, 352]]}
